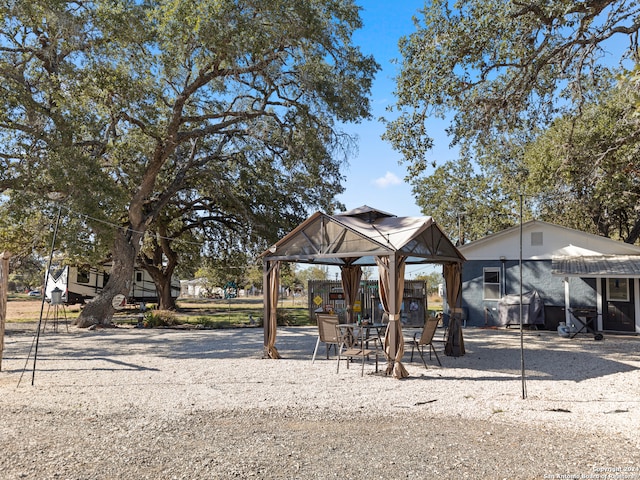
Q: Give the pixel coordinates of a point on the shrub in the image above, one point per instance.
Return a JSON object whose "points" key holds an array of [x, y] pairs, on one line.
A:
{"points": [[160, 318], [206, 322], [284, 319]]}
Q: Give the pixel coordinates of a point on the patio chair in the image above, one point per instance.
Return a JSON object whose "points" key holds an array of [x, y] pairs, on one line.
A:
{"points": [[326, 333], [425, 340], [348, 349]]}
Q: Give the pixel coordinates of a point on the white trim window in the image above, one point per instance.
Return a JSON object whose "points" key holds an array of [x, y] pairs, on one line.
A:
{"points": [[491, 283]]}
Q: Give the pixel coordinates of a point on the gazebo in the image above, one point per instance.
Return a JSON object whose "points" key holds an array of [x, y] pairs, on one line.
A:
{"points": [[363, 237]]}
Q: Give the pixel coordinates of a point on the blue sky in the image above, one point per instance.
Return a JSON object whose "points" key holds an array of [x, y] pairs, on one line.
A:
{"points": [[374, 176]]}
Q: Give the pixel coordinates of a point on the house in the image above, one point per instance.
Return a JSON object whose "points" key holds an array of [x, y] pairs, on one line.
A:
{"points": [[569, 270]]}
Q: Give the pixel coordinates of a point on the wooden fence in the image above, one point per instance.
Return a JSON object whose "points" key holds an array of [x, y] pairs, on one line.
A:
{"points": [[327, 295]]}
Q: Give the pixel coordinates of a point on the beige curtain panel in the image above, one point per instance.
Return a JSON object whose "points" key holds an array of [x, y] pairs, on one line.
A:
{"points": [[454, 345], [351, 275], [393, 340], [274, 287]]}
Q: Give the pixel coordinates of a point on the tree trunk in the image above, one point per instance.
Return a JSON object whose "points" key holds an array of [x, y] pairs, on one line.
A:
{"points": [[634, 234], [99, 311], [162, 280], [167, 302], [160, 265]]}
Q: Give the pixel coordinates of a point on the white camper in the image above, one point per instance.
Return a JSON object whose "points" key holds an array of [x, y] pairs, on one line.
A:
{"points": [[80, 284]]}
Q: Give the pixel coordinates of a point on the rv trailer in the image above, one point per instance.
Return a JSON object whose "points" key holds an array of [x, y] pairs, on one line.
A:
{"points": [[80, 284]]}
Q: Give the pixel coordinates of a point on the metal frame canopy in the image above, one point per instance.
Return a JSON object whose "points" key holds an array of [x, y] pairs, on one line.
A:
{"points": [[360, 237]]}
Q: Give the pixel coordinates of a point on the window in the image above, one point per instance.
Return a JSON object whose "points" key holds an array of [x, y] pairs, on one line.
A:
{"points": [[618, 289], [491, 283], [138, 276], [536, 238], [82, 275]]}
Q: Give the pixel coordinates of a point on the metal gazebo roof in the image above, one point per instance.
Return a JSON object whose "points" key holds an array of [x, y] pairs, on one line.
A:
{"points": [[358, 236]]}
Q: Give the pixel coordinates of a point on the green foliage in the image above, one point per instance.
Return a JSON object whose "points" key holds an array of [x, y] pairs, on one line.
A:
{"points": [[160, 318], [235, 315], [214, 119], [31, 274], [594, 176], [228, 267], [466, 204], [254, 277], [206, 322], [312, 272], [287, 274], [433, 280], [284, 319], [503, 72], [501, 66]]}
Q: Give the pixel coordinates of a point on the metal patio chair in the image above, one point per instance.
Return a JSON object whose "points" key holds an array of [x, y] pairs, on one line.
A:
{"points": [[326, 333], [425, 340]]}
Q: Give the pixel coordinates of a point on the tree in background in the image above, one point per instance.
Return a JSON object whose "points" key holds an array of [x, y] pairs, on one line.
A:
{"points": [[123, 106], [468, 204], [595, 177], [312, 272], [218, 271], [503, 71], [369, 273], [288, 279], [254, 279], [433, 279]]}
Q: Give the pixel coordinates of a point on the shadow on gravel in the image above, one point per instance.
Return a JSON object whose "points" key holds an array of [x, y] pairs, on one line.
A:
{"points": [[547, 356]]}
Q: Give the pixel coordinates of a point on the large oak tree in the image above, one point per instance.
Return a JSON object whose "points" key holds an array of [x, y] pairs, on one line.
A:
{"points": [[502, 71], [134, 108], [591, 164]]}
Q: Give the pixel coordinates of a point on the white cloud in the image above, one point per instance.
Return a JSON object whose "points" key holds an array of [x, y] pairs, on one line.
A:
{"points": [[388, 180]]}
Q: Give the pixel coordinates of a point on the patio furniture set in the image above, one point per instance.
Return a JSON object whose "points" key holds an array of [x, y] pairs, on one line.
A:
{"points": [[362, 341]]}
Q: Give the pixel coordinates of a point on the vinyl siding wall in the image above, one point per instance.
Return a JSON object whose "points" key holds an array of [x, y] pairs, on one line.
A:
{"points": [[536, 274]]}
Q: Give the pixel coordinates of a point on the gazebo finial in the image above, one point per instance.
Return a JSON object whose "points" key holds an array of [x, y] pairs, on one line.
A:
{"points": [[366, 213]]}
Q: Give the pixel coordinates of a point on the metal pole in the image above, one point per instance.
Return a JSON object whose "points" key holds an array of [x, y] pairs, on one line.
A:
{"points": [[522, 371], [4, 281], [44, 293]]}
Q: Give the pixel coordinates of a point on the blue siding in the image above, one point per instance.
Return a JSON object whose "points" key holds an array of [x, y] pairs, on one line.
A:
{"points": [[536, 275]]}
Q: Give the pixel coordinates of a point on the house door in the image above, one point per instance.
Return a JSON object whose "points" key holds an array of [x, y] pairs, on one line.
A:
{"points": [[618, 314]]}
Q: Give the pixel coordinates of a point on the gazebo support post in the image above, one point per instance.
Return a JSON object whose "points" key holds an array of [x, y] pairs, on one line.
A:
{"points": [[350, 275], [393, 319], [271, 286], [391, 269], [266, 313]]}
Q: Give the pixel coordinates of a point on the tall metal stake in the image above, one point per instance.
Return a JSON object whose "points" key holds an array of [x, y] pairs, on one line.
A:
{"points": [[524, 385], [44, 293]]}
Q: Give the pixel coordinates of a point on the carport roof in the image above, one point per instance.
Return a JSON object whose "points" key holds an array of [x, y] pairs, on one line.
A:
{"points": [[358, 236], [591, 266]]}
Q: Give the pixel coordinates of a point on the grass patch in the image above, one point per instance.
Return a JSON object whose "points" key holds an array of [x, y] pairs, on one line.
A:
{"points": [[233, 313], [24, 309], [217, 314], [241, 316]]}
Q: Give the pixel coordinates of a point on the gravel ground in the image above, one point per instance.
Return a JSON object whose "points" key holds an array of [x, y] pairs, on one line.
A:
{"points": [[190, 404]]}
